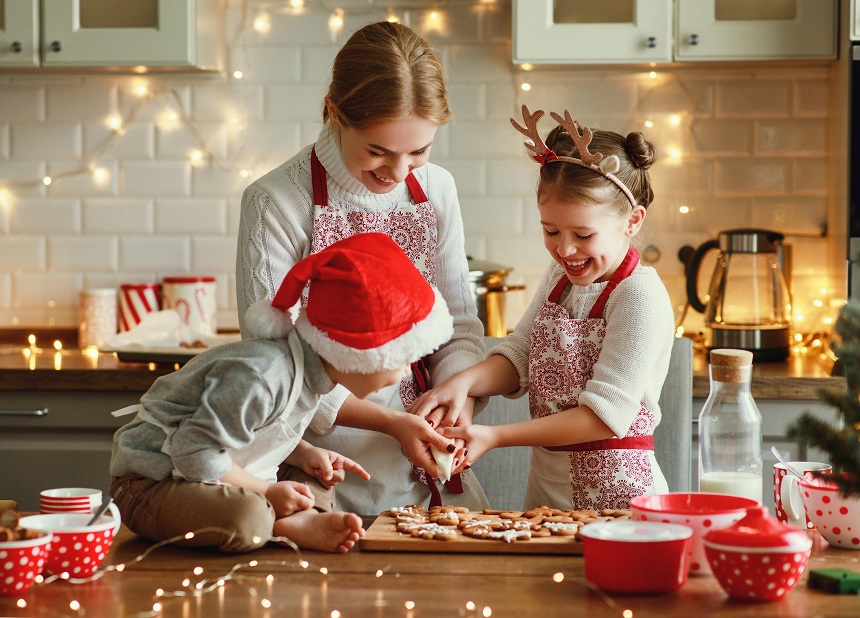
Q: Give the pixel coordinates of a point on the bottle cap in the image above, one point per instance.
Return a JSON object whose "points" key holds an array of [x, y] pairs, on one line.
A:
{"points": [[727, 364]]}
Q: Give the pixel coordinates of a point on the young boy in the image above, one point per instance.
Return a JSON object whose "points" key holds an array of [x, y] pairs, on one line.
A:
{"points": [[207, 442]]}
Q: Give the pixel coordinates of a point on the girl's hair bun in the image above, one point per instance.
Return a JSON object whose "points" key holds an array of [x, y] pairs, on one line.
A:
{"points": [[641, 152]]}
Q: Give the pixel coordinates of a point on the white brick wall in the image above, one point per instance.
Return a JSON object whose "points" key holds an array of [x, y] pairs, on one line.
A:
{"points": [[752, 152]]}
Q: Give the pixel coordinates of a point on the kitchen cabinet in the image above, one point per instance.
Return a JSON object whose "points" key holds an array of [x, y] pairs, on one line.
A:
{"points": [[57, 439], [660, 31], [777, 415], [139, 34]]}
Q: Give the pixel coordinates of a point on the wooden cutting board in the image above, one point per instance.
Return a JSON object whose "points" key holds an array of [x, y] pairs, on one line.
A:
{"points": [[382, 536]]}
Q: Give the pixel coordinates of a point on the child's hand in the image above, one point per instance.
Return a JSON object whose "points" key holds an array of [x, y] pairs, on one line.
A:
{"points": [[288, 497], [479, 439], [330, 467]]}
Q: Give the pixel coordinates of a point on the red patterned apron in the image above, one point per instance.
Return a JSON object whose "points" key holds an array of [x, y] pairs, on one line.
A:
{"points": [[604, 474], [412, 225]]}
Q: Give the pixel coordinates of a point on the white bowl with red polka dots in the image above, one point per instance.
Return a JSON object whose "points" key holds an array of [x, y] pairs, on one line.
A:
{"points": [[836, 517], [758, 558], [21, 562], [77, 549], [702, 512]]}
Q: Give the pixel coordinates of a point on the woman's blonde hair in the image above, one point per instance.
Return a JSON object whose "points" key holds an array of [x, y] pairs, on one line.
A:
{"points": [[570, 183], [386, 71]]}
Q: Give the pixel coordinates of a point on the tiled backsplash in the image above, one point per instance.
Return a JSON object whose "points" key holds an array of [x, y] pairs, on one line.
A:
{"points": [[740, 146]]}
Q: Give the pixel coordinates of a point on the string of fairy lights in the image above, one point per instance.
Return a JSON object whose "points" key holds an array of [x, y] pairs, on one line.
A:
{"points": [[246, 576]]}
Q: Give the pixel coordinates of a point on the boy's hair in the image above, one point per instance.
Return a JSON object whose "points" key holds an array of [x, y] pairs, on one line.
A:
{"points": [[574, 182], [386, 71]]}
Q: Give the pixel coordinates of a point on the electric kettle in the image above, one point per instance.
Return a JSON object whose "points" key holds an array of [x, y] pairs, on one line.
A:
{"points": [[748, 306]]}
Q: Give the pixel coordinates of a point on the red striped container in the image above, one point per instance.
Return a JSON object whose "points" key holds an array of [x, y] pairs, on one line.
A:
{"points": [[135, 301]]}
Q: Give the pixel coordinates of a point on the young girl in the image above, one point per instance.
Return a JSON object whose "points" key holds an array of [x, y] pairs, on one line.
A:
{"points": [[593, 348], [369, 171]]}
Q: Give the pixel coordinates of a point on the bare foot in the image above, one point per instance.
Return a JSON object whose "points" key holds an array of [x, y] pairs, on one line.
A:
{"points": [[310, 529]]}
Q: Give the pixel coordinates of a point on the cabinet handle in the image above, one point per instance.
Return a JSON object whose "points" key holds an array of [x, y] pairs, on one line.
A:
{"points": [[651, 41], [16, 47], [694, 39], [39, 412], [56, 46]]}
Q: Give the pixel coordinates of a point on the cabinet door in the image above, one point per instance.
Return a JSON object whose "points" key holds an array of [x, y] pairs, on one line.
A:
{"points": [[744, 30], [19, 33], [110, 33], [588, 32]]}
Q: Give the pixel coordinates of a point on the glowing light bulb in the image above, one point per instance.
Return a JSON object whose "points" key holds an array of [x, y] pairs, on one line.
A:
{"points": [[379, 572], [141, 90], [266, 603], [652, 75], [526, 67], [409, 604], [335, 23], [238, 74], [487, 612], [627, 613], [649, 123], [526, 86], [683, 209], [58, 345], [470, 605], [115, 123], [244, 173], [675, 153], [198, 570], [74, 606], [297, 4], [21, 603], [674, 119], [392, 18], [262, 23], [324, 570], [558, 577], [47, 180]]}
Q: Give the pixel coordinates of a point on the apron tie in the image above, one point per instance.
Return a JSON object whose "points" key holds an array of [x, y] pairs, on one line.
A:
{"points": [[644, 443]]}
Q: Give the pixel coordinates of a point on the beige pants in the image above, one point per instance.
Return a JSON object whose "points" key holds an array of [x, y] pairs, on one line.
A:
{"points": [[243, 519]]}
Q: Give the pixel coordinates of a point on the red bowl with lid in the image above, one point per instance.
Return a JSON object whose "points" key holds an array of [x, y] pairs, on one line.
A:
{"points": [[758, 558], [636, 557]]}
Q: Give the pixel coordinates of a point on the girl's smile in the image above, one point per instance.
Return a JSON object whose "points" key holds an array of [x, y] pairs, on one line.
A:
{"points": [[382, 155], [588, 240]]}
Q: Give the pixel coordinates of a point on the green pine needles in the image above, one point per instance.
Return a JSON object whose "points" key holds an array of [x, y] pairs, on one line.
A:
{"points": [[842, 442]]}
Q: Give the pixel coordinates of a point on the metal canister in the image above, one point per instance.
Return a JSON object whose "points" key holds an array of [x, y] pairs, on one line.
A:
{"points": [[488, 284]]}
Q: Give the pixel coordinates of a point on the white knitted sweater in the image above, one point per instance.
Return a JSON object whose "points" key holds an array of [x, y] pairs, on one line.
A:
{"points": [[635, 356], [275, 232]]}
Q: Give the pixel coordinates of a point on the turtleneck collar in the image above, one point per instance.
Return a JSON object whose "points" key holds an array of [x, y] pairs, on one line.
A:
{"points": [[344, 185]]}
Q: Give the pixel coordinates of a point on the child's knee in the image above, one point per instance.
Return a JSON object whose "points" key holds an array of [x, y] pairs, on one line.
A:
{"points": [[251, 523]]}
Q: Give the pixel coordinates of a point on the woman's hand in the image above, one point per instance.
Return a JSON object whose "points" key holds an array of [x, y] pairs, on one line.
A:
{"points": [[288, 497], [415, 436], [443, 405]]}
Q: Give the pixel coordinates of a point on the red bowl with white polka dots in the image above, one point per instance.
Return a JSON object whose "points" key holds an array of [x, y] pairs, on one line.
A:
{"points": [[21, 562], [77, 549], [836, 517], [758, 558], [702, 512]]}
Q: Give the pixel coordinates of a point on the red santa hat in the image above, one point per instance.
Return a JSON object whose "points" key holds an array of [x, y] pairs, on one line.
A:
{"points": [[368, 307]]}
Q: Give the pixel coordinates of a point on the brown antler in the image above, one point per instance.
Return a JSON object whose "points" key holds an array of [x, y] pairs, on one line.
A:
{"points": [[534, 143], [582, 140]]}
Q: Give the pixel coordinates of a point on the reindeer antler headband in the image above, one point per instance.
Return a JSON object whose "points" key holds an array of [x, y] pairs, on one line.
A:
{"points": [[593, 161]]}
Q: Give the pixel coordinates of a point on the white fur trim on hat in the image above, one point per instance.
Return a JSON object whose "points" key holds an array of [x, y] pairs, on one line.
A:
{"points": [[423, 338]]}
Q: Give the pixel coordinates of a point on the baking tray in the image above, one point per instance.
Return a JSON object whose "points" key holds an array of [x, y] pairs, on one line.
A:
{"points": [[169, 354]]}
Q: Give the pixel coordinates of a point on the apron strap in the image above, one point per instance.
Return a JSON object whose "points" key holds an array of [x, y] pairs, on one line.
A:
{"points": [[558, 290], [643, 443], [418, 195], [318, 180], [627, 266]]}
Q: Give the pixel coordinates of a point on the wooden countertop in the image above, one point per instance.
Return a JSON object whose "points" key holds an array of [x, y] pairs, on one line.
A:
{"points": [[800, 377], [437, 584]]}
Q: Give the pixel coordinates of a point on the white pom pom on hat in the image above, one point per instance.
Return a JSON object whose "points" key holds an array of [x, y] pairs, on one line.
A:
{"points": [[368, 309]]}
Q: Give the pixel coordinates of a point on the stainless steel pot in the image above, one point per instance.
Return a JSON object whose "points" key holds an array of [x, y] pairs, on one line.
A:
{"points": [[488, 285]]}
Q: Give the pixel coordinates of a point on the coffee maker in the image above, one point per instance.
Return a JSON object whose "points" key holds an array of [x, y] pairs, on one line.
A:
{"points": [[748, 306]]}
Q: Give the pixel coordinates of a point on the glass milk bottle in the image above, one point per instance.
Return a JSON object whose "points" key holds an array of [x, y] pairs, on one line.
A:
{"points": [[730, 429]]}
